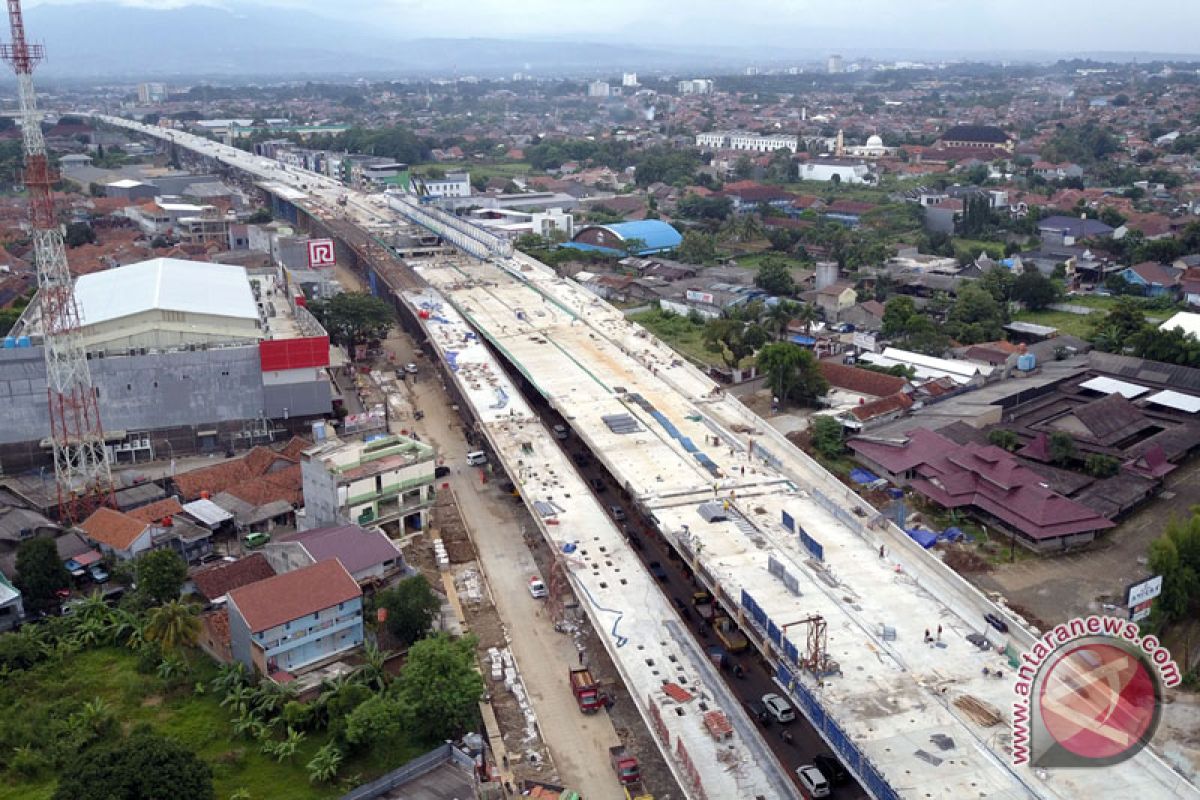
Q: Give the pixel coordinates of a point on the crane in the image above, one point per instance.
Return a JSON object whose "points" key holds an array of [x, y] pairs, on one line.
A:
{"points": [[81, 468]]}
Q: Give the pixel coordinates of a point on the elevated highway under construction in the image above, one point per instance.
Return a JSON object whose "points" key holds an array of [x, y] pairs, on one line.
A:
{"points": [[835, 597]]}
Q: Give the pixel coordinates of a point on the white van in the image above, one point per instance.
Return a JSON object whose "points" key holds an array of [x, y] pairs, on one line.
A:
{"points": [[476, 458], [813, 781]]}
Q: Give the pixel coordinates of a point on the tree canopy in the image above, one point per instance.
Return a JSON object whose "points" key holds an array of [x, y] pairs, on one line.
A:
{"points": [[40, 573], [439, 687], [775, 277], [733, 339], [1035, 290], [160, 576], [353, 317], [411, 607], [975, 317], [792, 372], [143, 766]]}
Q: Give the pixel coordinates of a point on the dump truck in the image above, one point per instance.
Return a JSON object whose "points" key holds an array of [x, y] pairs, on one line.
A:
{"points": [[703, 603], [733, 639], [586, 690], [629, 773]]}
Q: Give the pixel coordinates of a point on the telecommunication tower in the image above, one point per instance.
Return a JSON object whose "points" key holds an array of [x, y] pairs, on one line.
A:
{"points": [[80, 460]]}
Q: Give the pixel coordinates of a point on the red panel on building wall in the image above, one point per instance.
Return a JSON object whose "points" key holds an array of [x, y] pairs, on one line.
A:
{"points": [[283, 354]]}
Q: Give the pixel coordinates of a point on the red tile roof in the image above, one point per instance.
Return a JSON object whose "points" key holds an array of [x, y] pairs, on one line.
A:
{"points": [[155, 511], [863, 381], [220, 579], [292, 595], [261, 473], [882, 407], [112, 528], [984, 476]]}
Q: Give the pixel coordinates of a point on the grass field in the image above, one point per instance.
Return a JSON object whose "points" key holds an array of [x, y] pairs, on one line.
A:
{"points": [[679, 332], [198, 721], [1074, 324]]}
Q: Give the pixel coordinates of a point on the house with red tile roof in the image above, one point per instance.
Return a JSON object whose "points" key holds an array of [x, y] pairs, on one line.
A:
{"points": [[215, 581], [296, 621], [988, 480], [117, 534]]}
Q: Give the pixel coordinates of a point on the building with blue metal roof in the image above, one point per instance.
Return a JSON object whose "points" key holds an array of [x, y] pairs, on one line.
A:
{"points": [[649, 235]]}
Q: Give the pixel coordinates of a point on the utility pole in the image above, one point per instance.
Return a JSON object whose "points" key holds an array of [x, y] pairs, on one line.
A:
{"points": [[80, 460]]}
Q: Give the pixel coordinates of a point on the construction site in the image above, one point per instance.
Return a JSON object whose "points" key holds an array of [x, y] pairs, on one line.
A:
{"points": [[838, 602]]}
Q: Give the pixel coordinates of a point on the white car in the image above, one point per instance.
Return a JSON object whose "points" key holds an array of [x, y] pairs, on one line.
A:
{"points": [[537, 588], [779, 708], [411, 369], [813, 780]]}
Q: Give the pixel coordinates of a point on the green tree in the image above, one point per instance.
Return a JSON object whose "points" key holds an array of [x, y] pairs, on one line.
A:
{"points": [[827, 436], [1176, 556], [78, 234], [896, 315], [775, 277], [160, 576], [1035, 290], [1099, 465], [173, 626], [777, 317], [733, 339], [324, 766], [1062, 447], [40, 574], [697, 248], [411, 607], [1126, 318], [792, 372], [141, 767], [439, 687], [353, 317], [261, 216], [1006, 439], [998, 282], [976, 316]]}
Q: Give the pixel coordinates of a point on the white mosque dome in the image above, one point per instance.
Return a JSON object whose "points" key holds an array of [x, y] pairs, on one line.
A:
{"points": [[874, 141]]}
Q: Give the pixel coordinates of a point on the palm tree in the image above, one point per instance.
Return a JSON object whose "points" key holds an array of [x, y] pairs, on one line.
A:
{"points": [[127, 628], [173, 625], [1109, 339], [95, 717], [229, 676], [778, 316], [238, 698], [373, 672], [325, 764], [270, 698], [807, 314]]}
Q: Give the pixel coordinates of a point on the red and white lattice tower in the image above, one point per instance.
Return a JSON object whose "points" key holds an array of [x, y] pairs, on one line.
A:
{"points": [[80, 460]]}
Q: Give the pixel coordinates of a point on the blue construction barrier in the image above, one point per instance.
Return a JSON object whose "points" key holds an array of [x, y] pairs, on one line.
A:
{"points": [[926, 539]]}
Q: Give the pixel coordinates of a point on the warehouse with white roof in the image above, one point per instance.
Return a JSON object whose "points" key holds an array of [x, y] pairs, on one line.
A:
{"points": [[165, 303]]}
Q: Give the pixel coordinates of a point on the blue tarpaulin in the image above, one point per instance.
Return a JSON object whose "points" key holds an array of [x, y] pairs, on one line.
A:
{"points": [[952, 534], [926, 539], [803, 341], [862, 476]]}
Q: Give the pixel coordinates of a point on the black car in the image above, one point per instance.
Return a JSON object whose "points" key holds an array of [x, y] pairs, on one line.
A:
{"points": [[596, 484], [441, 472], [581, 459], [758, 712], [996, 622], [656, 569], [832, 769]]}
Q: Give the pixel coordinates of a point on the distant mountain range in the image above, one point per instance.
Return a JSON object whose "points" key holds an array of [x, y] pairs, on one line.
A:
{"points": [[91, 41]]}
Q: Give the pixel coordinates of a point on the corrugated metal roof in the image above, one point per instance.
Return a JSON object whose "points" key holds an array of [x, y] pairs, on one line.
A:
{"points": [[168, 284], [1112, 385], [1176, 400]]}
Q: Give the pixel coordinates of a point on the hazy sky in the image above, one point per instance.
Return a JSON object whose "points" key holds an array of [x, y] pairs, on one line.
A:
{"points": [[993, 26]]}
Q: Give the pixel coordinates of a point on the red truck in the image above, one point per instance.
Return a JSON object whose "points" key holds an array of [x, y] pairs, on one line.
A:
{"points": [[586, 690], [629, 772]]}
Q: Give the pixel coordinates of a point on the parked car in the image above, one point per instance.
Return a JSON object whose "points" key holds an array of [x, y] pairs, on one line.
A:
{"points": [[537, 588], [411, 369], [781, 710], [758, 712], [815, 784], [560, 431], [656, 569], [596, 484], [441, 472], [581, 459], [255, 540], [98, 573], [617, 512], [996, 622], [832, 769]]}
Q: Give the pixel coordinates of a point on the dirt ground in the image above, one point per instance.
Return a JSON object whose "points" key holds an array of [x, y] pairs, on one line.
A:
{"points": [[1085, 582]]}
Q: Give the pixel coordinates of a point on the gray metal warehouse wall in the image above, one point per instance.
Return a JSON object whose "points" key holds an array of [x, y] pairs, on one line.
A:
{"points": [[139, 392]]}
